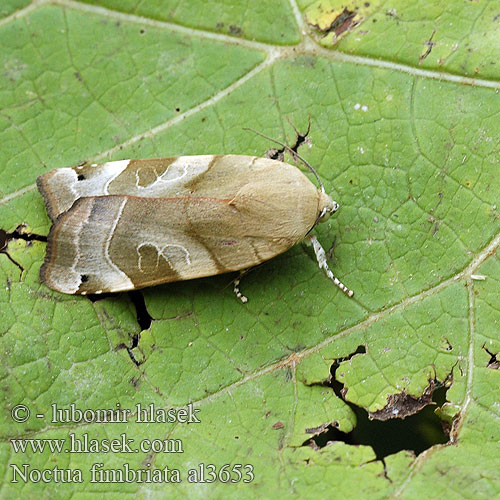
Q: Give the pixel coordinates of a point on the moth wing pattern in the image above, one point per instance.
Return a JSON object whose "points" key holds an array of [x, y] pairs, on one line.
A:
{"points": [[203, 175], [130, 224], [117, 243]]}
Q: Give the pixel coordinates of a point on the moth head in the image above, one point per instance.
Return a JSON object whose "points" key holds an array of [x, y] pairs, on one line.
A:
{"points": [[326, 207]]}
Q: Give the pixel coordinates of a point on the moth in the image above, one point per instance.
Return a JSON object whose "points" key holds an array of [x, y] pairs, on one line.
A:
{"points": [[129, 224]]}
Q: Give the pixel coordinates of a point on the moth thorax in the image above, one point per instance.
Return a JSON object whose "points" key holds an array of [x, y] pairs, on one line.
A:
{"points": [[326, 207]]}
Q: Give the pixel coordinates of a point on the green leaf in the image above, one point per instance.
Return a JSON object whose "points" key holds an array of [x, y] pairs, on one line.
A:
{"points": [[403, 105], [10, 6]]}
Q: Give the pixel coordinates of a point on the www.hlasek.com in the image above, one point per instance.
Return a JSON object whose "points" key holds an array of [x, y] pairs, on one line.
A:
{"points": [[84, 443]]}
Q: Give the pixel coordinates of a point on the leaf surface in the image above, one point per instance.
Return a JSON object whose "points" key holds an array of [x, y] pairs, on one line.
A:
{"points": [[405, 138]]}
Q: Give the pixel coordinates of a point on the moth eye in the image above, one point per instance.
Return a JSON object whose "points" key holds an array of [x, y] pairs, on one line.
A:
{"points": [[84, 278], [325, 215], [81, 177]]}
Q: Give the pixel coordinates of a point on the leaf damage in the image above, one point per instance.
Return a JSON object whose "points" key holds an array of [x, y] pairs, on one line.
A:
{"points": [[300, 139], [3, 240], [144, 319], [332, 21], [429, 44], [494, 362], [405, 423], [316, 431], [130, 350], [18, 234], [403, 405], [339, 24]]}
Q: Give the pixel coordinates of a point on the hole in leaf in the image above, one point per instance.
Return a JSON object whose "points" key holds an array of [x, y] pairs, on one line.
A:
{"points": [[132, 356], [143, 317], [494, 362], [416, 432], [3, 239], [94, 297], [18, 234], [130, 351], [301, 138], [135, 341]]}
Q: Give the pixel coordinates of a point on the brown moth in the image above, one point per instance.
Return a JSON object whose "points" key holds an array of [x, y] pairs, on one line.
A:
{"points": [[130, 224]]}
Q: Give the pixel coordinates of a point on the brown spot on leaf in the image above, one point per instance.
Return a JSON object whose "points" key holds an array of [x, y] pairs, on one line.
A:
{"points": [[344, 22], [333, 22], [338, 24], [135, 381], [235, 30], [278, 425], [403, 405], [494, 365], [315, 431]]}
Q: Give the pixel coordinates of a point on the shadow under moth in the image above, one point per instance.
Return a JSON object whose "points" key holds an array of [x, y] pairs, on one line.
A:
{"points": [[130, 224]]}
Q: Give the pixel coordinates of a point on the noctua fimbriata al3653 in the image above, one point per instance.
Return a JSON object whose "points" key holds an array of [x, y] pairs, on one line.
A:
{"points": [[130, 224]]}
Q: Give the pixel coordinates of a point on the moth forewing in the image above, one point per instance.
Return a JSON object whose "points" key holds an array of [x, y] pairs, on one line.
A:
{"points": [[206, 175], [134, 223]]}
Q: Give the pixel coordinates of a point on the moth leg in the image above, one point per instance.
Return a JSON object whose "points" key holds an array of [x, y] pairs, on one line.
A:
{"points": [[321, 257], [236, 287]]}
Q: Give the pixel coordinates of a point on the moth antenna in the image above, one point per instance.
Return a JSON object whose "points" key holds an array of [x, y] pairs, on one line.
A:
{"points": [[292, 152]]}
